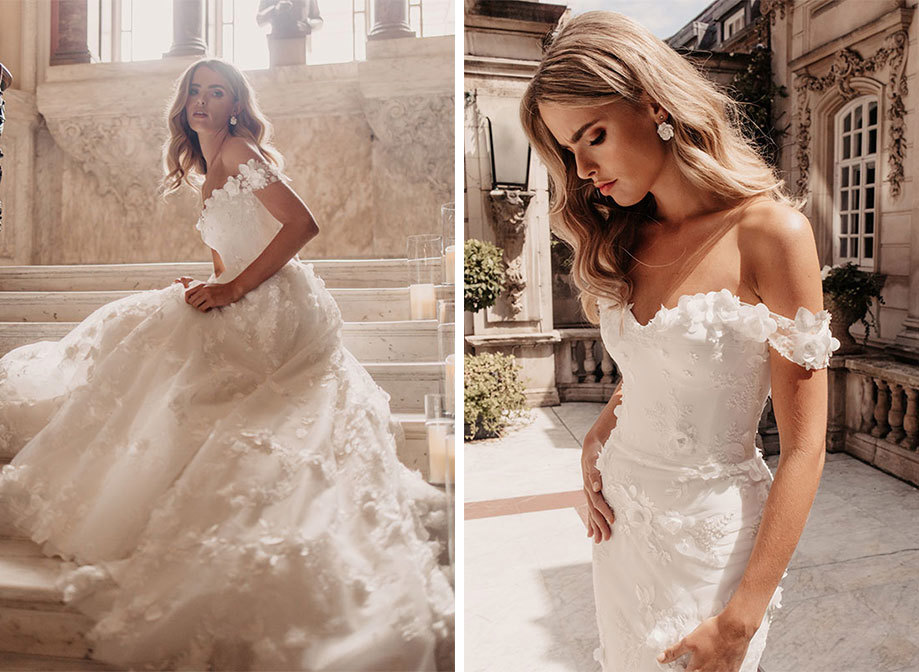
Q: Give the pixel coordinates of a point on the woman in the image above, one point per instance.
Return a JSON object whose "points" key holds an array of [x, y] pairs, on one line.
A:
{"points": [[666, 204], [220, 467]]}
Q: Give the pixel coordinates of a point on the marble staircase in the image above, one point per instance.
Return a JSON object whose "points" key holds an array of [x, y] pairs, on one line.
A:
{"points": [[37, 630]]}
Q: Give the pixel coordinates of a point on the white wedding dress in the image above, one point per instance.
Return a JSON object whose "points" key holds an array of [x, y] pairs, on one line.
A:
{"points": [[225, 484], [681, 470]]}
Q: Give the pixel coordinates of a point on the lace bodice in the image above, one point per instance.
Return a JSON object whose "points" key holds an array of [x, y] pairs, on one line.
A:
{"points": [[235, 223], [706, 355], [681, 469]]}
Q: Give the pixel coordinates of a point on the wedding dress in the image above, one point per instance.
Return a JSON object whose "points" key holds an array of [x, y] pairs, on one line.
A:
{"points": [[681, 470], [225, 483]]}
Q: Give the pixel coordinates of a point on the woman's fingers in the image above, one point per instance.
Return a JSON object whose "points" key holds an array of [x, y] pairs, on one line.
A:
{"points": [[602, 529], [599, 502]]}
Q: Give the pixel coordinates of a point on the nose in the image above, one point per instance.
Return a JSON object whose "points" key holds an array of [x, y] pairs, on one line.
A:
{"points": [[585, 169]]}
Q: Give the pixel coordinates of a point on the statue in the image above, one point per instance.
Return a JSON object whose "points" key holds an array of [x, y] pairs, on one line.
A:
{"points": [[289, 18], [5, 80]]}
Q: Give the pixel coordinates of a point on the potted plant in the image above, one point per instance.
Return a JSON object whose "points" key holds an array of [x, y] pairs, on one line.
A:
{"points": [[847, 294]]}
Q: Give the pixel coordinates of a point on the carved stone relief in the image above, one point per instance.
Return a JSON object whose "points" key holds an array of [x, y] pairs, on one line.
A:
{"points": [[508, 209], [847, 65]]}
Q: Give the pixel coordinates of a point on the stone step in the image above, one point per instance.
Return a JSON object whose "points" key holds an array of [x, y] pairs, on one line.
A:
{"points": [[389, 341], [357, 304], [19, 662], [83, 277], [34, 621]]}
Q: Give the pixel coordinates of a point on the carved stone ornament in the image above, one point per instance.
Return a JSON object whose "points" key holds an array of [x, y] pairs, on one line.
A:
{"points": [[848, 64], [771, 7], [508, 209]]}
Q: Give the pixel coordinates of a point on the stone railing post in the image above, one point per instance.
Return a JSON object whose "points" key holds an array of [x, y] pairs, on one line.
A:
{"points": [[389, 19], [187, 29], [68, 32]]}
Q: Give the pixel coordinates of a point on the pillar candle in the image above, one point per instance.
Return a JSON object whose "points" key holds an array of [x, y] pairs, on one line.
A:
{"points": [[437, 451], [422, 301]]}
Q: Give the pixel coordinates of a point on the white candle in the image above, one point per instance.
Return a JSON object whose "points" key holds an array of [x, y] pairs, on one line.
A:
{"points": [[450, 366], [422, 301], [449, 262], [437, 451], [451, 457]]}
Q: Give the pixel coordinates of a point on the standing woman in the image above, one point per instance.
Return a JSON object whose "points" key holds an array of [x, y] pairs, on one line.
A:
{"points": [[665, 203], [221, 470]]}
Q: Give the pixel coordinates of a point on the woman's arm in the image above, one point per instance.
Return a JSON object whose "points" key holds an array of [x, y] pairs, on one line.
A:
{"points": [[799, 400], [606, 421], [298, 224], [218, 263], [599, 514]]}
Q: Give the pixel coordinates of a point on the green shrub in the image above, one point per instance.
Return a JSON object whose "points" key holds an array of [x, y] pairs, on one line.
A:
{"points": [[493, 394], [483, 274]]}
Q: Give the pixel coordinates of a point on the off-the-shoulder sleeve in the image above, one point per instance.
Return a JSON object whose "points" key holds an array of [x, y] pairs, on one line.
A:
{"points": [[256, 174], [805, 340]]}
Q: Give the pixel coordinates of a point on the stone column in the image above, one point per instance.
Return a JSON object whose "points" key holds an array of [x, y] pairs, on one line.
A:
{"points": [[389, 19], [188, 29], [68, 32]]}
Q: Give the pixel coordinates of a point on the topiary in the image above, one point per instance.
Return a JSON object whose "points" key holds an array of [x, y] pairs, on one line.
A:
{"points": [[483, 274], [493, 394]]}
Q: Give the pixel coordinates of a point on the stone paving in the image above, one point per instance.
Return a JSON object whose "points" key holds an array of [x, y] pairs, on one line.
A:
{"points": [[850, 600]]}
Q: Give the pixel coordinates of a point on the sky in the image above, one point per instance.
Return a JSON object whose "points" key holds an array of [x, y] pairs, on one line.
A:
{"points": [[661, 17]]}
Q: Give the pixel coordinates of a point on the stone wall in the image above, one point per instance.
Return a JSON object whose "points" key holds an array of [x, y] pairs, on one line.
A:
{"points": [[368, 144]]}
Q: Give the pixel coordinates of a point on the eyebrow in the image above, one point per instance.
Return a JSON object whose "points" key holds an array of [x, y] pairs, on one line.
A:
{"points": [[578, 133], [212, 86]]}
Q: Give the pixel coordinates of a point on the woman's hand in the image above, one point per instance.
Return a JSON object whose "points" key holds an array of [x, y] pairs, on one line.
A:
{"points": [[206, 296], [599, 516], [184, 280], [715, 646]]}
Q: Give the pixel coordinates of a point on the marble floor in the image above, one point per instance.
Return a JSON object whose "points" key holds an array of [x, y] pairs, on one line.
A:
{"points": [[850, 600]]}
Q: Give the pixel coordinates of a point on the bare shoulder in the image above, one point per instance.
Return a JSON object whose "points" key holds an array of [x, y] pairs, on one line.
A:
{"points": [[777, 243], [237, 150]]}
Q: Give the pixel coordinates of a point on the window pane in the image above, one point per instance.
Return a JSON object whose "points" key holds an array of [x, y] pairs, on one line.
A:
{"points": [[845, 176], [228, 41], [250, 47], [438, 17], [872, 113], [846, 153], [858, 144], [853, 220], [855, 199], [844, 223], [869, 222], [847, 123], [872, 141], [151, 30], [869, 247], [858, 116], [125, 46], [844, 201], [869, 197], [856, 176], [869, 173], [843, 248]]}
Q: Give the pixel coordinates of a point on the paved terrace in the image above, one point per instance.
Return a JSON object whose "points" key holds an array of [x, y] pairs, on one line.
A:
{"points": [[850, 600]]}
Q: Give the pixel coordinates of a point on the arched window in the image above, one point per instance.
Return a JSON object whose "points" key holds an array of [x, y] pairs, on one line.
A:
{"points": [[856, 180]]}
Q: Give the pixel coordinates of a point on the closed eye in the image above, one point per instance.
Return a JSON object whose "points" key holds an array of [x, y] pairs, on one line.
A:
{"points": [[598, 139]]}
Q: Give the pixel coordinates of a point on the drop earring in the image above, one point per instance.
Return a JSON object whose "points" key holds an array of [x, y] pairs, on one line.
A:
{"points": [[233, 120], [664, 130]]}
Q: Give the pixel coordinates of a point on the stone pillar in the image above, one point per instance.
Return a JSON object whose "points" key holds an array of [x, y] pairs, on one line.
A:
{"points": [[188, 29], [389, 19], [68, 32]]}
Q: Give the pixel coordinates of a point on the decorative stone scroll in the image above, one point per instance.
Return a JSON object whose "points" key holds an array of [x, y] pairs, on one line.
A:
{"points": [[847, 65], [508, 207]]}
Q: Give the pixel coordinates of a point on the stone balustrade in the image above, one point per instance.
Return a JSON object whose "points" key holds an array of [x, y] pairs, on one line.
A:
{"points": [[584, 370], [879, 413]]}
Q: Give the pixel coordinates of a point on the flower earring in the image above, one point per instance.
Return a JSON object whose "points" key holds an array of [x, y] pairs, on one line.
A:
{"points": [[233, 120], [664, 129]]}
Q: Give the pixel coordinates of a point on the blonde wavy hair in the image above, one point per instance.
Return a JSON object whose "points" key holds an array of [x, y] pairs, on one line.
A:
{"points": [[182, 157], [603, 57]]}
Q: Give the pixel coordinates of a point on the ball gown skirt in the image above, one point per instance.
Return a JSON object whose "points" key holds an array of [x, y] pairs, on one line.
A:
{"points": [[224, 485]]}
